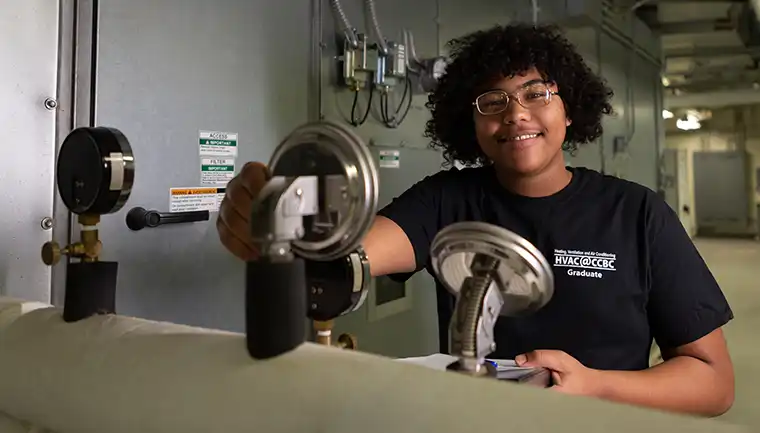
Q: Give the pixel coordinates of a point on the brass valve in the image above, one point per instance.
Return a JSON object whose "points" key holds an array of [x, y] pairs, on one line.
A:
{"points": [[347, 341], [88, 249], [323, 330]]}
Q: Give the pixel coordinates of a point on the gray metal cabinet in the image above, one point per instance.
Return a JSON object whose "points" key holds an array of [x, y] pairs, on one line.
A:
{"points": [[29, 49], [167, 70], [724, 196]]}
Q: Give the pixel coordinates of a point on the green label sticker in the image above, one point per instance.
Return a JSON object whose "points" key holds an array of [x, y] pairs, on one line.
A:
{"points": [[214, 143], [217, 171], [390, 159]]}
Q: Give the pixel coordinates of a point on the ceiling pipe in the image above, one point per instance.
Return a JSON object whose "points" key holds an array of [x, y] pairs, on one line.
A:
{"points": [[708, 52], [716, 99], [698, 26]]}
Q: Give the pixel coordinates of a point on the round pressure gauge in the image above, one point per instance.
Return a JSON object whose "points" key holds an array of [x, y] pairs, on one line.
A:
{"points": [[523, 275], [348, 187], [95, 170]]}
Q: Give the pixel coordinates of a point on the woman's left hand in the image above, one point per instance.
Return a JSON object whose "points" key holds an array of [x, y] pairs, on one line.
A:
{"points": [[569, 376]]}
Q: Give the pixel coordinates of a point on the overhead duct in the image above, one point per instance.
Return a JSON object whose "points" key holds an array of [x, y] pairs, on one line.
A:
{"points": [[712, 52], [618, 24], [699, 26], [717, 99]]}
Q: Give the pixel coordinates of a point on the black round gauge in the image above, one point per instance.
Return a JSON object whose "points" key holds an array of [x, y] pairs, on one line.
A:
{"points": [[95, 170]]}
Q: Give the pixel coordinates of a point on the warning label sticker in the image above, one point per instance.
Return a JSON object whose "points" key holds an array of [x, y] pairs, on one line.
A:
{"points": [[217, 171], [213, 143], [195, 199]]}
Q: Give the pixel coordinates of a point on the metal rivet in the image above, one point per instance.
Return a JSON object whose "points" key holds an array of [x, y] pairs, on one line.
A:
{"points": [[51, 104], [46, 223]]}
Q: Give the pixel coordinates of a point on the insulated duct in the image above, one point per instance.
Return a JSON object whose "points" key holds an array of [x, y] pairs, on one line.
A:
{"points": [[126, 375], [716, 99]]}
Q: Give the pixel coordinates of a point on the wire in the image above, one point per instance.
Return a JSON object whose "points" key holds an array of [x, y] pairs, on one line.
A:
{"points": [[393, 121], [358, 122]]}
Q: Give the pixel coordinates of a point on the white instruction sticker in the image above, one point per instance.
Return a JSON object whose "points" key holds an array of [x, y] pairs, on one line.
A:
{"points": [[390, 159], [217, 171], [194, 199], [214, 143]]}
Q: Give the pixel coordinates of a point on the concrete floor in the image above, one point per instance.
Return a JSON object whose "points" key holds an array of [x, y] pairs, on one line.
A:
{"points": [[736, 265]]}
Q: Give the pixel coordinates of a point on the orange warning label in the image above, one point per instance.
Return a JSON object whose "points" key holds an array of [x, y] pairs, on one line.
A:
{"points": [[194, 191]]}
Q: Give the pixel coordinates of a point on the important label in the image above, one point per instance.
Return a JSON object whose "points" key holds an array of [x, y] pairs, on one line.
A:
{"points": [[214, 143], [217, 171], [195, 199], [390, 159]]}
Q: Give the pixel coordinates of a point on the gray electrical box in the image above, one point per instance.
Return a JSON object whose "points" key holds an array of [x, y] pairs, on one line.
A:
{"points": [[724, 193], [191, 84]]}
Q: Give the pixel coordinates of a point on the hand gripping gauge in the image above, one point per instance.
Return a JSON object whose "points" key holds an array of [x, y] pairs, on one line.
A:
{"points": [[318, 205], [95, 171], [492, 272]]}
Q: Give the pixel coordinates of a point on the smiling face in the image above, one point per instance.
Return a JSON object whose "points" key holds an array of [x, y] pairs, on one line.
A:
{"points": [[523, 141]]}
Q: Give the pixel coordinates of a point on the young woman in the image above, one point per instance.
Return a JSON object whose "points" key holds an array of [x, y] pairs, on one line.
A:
{"points": [[512, 98]]}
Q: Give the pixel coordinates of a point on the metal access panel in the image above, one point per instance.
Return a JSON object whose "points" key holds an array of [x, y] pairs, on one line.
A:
{"points": [[29, 49], [398, 320], [723, 193], [172, 75]]}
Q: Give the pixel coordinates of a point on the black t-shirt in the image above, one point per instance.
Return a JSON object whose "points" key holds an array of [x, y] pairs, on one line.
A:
{"points": [[657, 287]]}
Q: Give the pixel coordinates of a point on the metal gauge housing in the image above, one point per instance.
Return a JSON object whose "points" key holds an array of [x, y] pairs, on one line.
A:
{"points": [[525, 279], [95, 170], [348, 187]]}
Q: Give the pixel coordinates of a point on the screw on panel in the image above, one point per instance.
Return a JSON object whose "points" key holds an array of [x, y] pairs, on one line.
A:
{"points": [[51, 104], [46, 223]]}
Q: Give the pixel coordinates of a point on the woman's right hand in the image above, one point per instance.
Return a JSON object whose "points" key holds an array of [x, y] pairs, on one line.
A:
{"points": [[233, 223]]}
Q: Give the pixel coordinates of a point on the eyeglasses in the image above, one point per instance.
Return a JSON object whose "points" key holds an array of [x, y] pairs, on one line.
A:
{"points": [[496, 101]]}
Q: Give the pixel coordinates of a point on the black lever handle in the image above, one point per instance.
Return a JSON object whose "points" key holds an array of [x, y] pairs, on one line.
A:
{"points": [[139, 218]]}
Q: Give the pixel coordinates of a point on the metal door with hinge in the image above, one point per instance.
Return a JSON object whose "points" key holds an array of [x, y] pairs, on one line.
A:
{"points": [[29, 77], [199, 88]]}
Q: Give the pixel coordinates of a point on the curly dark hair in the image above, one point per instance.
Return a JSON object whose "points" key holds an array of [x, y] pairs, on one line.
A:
{"points": [[481, 58]]}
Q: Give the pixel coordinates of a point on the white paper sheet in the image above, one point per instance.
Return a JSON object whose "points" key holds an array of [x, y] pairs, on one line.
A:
{"points": [[505, 368]]}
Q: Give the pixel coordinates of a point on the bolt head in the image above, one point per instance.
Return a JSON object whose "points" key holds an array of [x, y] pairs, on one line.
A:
{"points": [[51, 104]]}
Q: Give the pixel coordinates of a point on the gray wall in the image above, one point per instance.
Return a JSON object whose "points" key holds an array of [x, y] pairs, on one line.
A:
{"points": [[639, 124], [167, 69]]}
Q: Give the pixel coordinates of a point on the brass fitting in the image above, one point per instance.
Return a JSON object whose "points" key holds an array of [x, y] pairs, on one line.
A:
{"points": [[324, 336], [348, 342], [324, 332], [88, 249]]}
